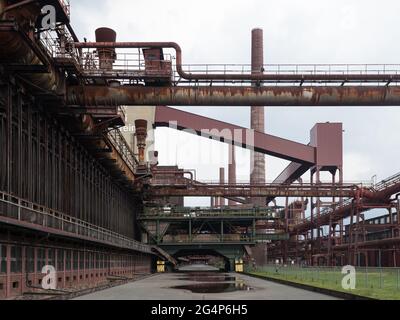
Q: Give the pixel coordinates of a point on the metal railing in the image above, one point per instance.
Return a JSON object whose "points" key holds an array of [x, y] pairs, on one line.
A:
{"points": [[218, 239], [124, 65], [22, 211], [296, 69], [56, 48], [387, 183], [118, 141], [208, 212]]}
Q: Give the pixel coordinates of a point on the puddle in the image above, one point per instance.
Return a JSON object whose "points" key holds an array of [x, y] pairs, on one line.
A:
{"points": [[208, 278], [214, 287], [212, 283]]}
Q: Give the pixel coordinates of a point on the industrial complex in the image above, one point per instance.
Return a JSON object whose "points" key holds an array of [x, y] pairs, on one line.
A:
{"points": [[82, 189]]}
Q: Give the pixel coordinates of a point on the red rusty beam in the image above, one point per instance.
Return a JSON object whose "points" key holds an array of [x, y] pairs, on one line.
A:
{"points": [[234, 96], [229, 133]]}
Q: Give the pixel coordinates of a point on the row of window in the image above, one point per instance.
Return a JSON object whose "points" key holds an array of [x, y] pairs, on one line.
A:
{"points": [[73, 260], [382, 220]]}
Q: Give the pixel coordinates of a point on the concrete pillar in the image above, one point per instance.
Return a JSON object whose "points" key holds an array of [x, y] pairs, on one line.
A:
{"points": [[257, 175], [232, 170]]}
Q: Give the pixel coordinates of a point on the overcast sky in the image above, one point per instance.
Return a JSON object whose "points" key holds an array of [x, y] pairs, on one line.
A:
{"points": [[308, 31]]}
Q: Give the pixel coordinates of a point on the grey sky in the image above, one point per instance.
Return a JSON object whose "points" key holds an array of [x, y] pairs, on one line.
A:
{"points": [[309, 31]]}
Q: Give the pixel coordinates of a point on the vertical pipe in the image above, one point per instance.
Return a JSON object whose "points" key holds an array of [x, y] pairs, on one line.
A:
{"points": [[257, 175]]}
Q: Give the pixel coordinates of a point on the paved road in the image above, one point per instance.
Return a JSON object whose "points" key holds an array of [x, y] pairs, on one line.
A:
{"points": [[159, 287]]}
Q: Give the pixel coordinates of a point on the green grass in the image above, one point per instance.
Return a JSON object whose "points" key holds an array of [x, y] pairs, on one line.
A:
{"points": [[377, 284]]}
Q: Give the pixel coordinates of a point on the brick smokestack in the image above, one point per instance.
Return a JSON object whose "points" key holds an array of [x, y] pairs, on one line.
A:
{"points": [[221, 201], [257, 175], [232, 170]]}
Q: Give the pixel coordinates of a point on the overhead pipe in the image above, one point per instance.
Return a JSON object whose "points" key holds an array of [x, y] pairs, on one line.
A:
{"points": [[234, 96], [236, 77]]}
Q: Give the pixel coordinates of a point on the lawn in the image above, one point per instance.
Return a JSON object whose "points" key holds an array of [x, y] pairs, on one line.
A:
{"points": [[383, 284]]}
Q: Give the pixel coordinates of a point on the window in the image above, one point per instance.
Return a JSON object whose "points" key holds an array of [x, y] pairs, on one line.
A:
{"points": [[41, 259], [30, 260], [92, 255], [88, 257], [60, 260], [16, 259], [68, 260], [98, 261], [76, 259], [3, 258], [51, 257], [81, 260]]}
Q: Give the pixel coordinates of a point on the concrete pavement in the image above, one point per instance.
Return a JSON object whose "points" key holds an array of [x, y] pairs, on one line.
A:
{"points": [[160, 287]]}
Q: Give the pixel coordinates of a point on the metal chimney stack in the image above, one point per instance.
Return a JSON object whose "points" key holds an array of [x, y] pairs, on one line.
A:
{"points": [[257, 175], [141, 136], [107, 56]]}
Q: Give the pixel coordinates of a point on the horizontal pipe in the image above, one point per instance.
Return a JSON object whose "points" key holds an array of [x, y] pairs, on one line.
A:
{"points": [[242, 77], [233, 96]]}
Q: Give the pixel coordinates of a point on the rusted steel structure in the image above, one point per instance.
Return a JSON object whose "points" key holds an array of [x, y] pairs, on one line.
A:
{"points": [[67, 177], [74, 195]]}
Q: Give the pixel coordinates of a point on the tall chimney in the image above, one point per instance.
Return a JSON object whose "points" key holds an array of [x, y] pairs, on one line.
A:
{"points": [[257, 175], [221, 201], [232, 170]]}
